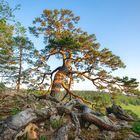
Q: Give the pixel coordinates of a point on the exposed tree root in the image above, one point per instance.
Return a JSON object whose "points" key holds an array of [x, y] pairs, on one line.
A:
{"points": [[100, 122], [119, 113]]}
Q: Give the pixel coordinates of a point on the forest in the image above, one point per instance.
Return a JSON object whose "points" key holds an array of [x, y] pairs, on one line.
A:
{"points": [[38, 103]]}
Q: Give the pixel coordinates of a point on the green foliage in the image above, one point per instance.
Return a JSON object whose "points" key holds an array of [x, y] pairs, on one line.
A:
{"points": [[42, 137], [2, 87], [24, 137], [134, 108], [6, 12], [56, 123], [134, 115], [136, 127], [6, 39], [105, 97], [15, 111], [130, 85]]}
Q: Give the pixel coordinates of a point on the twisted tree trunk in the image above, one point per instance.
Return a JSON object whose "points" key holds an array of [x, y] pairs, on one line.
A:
{"points": [[57, 82], [60, 77]]}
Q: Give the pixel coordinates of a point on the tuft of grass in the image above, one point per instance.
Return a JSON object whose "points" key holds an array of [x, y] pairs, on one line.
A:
{"points": [[15, 111], [55, 124], [42, 137]]}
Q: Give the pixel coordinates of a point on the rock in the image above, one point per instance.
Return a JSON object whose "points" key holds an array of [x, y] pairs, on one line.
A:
{"points": [[132, 137], [123, 124], [119, 113], [62, 133], [107, 120], [93, 127], [55, 117], [106, 135], [112, 117]]}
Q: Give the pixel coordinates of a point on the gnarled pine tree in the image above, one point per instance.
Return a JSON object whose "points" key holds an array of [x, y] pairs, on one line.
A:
{"points": [[81, 54]]}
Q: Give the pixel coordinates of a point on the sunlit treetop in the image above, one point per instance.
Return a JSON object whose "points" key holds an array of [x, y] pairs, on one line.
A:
{"points": [[62, 34]]}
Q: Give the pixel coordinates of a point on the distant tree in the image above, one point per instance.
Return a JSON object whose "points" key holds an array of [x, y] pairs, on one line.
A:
{"points": [[81, 54]]}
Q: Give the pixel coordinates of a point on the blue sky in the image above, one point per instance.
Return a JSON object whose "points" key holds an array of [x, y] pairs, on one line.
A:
{"points": [[116, 24]]}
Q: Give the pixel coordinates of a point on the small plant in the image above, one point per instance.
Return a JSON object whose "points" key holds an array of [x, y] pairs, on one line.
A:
{"points": [[24, 137], [2, 87], [136, 127], [15, 111], [42, 137], [56, 123]]}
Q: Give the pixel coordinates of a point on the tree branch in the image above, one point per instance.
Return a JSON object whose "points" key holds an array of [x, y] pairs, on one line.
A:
{"points": [[51, 74]]}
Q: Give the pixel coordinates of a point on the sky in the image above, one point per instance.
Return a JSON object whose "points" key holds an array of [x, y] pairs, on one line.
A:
{"points": [[116, 24]]}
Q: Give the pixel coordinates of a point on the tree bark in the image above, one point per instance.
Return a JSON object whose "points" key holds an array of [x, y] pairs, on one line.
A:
{"points": [[57, 83], [60, 77]]}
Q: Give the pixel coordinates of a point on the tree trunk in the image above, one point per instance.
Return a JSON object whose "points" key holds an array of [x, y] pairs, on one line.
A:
{"points": [[60, 78], [19, 73], [57, 83]]}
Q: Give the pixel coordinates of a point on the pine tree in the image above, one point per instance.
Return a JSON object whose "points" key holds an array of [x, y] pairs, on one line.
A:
{"points": [[82, 56]]}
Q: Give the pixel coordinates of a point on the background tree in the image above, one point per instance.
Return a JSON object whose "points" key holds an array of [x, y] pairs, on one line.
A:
{"points": [[6, 12], [6, 37], [23, 55], [16, 50], [81, 55], [36, 78]]}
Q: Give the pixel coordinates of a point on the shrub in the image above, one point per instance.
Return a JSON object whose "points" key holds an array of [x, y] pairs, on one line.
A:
{"points": [[136, 127]]}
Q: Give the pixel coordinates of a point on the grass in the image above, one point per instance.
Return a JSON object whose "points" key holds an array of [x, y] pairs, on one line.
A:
{"points": [[134, 108], [136, 127]]}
